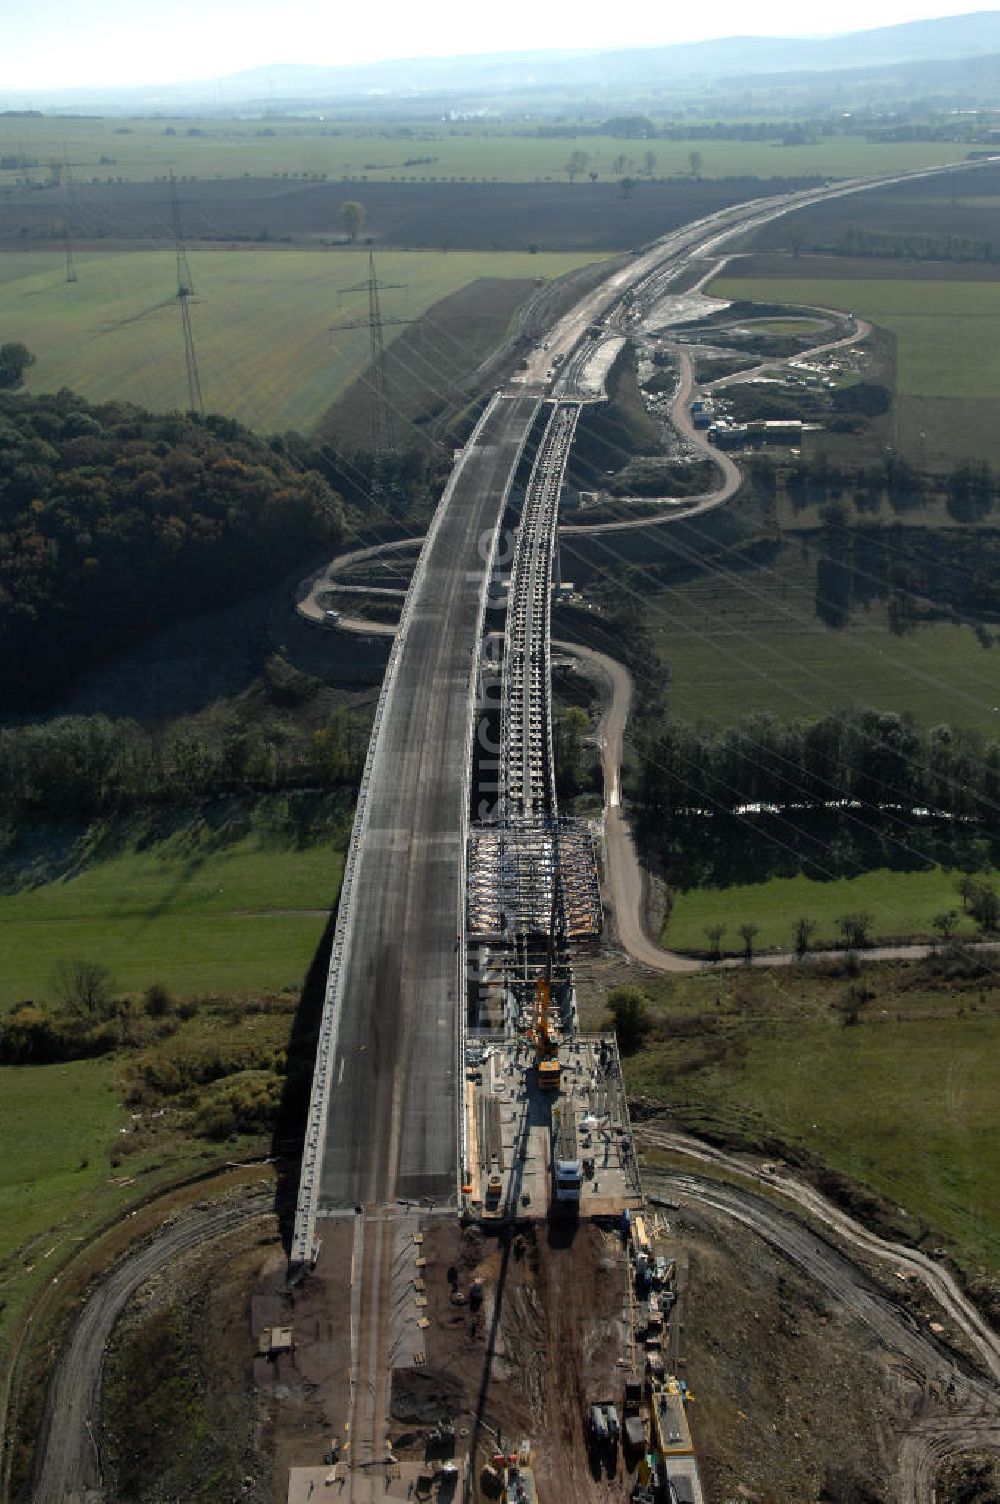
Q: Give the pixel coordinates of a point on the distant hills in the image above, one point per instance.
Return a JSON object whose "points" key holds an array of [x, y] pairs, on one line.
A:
{"points": [[494, 81], [915, 41]]}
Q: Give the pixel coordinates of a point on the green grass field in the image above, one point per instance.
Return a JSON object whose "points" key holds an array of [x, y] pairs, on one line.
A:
{"points": [[947, 333], [261, 322], [786, 326], [142, 150], [904, 1103], [57, 1124], [197, 919], [61, 1118], [735, 644], [902, 903]]}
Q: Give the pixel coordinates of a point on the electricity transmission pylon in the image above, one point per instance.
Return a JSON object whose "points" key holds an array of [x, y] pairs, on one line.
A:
{"points": [[71, 272], [66, 184], [185, 292], [383, 437]]}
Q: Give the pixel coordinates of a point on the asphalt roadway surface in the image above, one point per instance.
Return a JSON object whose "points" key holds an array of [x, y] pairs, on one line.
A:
{"points": [[392, 1121]]}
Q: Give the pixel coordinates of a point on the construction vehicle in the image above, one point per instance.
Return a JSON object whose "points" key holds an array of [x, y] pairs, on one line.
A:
{"points": [[546, 1044], [632, 1422], [519, 1485], [670, 1434], [567, 1174], [605, 1433]]}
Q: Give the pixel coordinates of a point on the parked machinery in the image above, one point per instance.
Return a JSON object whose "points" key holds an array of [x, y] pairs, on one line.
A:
{"points": [[604, 1434]]}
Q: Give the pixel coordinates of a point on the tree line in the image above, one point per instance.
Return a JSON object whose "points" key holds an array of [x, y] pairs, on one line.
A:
{"points": [[115, 522], [876, 759], [92, 765], [912, 247]]}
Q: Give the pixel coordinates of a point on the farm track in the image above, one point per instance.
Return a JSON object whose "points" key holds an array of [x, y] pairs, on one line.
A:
{"points": [[627, 881]]}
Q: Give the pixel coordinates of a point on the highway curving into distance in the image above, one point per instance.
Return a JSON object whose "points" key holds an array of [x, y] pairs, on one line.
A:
{"points": [[383, 1122]]}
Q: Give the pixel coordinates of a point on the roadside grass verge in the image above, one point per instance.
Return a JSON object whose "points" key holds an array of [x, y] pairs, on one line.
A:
{"points": [[902, 905], [60, 1126], [786, 326], [84, 1139], [56, 1124], [904, 1102], [194, 912], [261, 322]]}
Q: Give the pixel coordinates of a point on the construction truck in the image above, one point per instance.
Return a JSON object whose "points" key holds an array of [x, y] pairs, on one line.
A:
{"points": [[604, 1434], [632, 1422], [567, 1172]]}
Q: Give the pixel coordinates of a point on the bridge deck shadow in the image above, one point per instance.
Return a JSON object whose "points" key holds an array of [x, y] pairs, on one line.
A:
{"points": [[290, 1121]]}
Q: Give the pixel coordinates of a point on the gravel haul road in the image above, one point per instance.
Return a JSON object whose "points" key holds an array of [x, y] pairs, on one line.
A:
{"points": [[67, 1466], [966, 1416]]}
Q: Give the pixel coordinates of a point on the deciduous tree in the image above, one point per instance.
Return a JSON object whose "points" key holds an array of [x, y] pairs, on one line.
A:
{"points": [[352, 217], [748, 933], [15, 360], [628, 1010], [84, 987], [575, 164], [804, 931]]}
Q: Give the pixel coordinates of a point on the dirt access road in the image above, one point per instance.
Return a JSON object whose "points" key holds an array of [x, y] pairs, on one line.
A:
{"points": [[962, 1409], [936, 1279], [68, 1468], [627, 883]]}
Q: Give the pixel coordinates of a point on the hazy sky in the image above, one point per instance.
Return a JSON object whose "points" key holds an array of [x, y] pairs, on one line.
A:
{"points": [[72, 43]]}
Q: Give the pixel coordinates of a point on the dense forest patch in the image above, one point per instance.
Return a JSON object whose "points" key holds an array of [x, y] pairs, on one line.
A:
{"points": [[114, 522]]}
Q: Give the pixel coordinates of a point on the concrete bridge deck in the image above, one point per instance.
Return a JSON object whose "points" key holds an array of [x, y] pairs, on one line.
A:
{"points": [[384, 1114]]}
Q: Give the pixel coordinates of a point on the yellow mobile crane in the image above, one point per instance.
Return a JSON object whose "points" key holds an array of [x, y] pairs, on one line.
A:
{"points": [[546, 1043]]}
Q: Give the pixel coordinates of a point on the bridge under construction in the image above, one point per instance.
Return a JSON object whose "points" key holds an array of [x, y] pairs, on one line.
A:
{"points": [[451, 1072], [532, 1082], [386, 1118]]}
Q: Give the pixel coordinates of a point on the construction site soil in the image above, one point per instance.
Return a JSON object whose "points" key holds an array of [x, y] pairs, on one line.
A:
{"points": [[547, 1340], [791, 1399], [445, 216]]}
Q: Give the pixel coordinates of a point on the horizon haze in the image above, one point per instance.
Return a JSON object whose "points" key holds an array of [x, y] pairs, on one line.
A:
{"points": [[125, 45]]}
